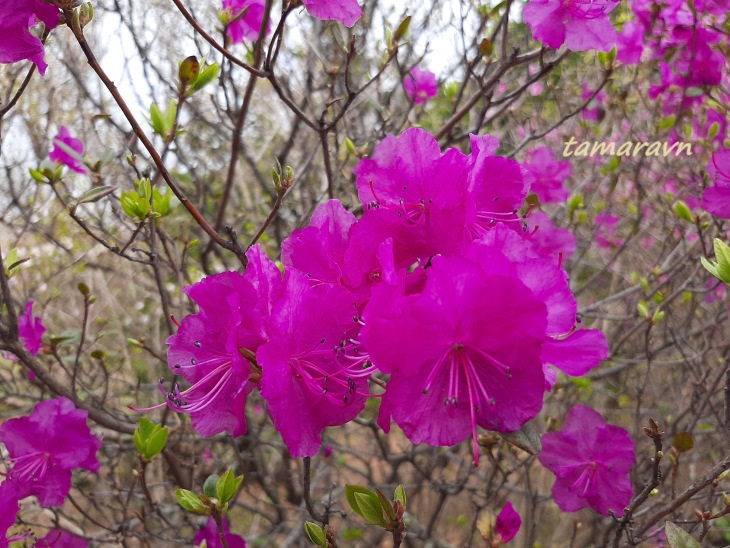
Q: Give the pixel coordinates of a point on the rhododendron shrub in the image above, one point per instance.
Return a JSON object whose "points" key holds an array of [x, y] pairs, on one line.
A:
{"points": [[296, 289]]}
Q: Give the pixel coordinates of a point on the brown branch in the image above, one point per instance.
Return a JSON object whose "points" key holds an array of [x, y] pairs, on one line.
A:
{"points": [[234, 247]]}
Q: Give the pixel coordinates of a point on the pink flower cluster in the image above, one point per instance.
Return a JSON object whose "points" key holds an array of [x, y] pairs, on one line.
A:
{"points": [[16, 41], [438, 285], [44, 449]]}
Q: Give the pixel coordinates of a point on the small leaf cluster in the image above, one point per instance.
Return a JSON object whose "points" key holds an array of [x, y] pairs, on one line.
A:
{"points": [[149, 439], [145, 201], [375, 507], [218, 491], [720, 268], [192, 79]]}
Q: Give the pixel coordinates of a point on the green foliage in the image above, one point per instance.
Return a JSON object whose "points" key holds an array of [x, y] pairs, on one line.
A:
{"points": [[315, 534], [227, 486], [679, 538], [163, 123], [150, 439], [191, 502], [145, 201], [720, 268]]}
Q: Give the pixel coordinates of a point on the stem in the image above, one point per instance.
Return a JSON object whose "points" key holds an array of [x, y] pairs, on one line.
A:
{"points": [[219, 523], [308, 495]]}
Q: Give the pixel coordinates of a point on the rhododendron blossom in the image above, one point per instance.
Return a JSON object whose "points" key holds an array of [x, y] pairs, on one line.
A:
{"points": [[581, 25], [508, 523], [60, 155], [248, 26], [346, 11], [30, 330], [16, 41], [716, 199], [465, 351], [420, 85], [45, 447], [211, 350], [211, 535], [312, 370], [591, 461], [547, 176]]}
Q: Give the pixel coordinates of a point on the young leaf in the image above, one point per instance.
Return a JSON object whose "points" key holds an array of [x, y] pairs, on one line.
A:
{"points": [[209, 485], [350, 491], [227, 486], [400, 494], [679, 538], [95, 194], [371, 508], [191, 502], [315, 534]]}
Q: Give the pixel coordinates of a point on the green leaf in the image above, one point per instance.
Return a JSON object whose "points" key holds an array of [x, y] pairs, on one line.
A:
{"points": [[683, 442], [157, 120], [682, 211], [387, 506], [191, 502], [643, 309], [209, 74], [679, 538], [400, 494], [188, 70], [710, 267], [227, 486], [722, 254], [161, 202], [350, 491], [668, 122], [209, 485], [38, 176], [315, 534], [371, 508], [402, 29], [156, 442], [95, 194], [170, 117], [526, 438]]}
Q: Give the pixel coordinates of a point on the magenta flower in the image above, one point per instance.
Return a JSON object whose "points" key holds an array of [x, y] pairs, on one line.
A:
{"points": [[63, 145], [46, 446], [420, 85], [247, 27], [630, 43], [207, 352], [716, 199], [31, 331], [319, 249], [465, 350], [346, 11], [313, 366], [58, 538], [508, 523], [9, 508], [211, 536], [496, 188], [594, 111], [16, 41], [546, 176], [581, 25], [591, 461], [547, 239], [415, 195]]}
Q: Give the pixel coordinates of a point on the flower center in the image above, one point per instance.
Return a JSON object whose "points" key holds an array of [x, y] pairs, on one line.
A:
{"points": [[584, 481], [462, 369], [413, 212], [30, 468]]}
